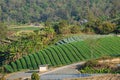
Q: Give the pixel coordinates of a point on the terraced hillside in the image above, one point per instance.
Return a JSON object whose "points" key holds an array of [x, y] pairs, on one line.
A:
{"points": [[80, 38], [67, 53]]}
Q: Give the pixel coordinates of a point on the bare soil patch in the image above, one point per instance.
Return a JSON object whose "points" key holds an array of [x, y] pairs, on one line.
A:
{"points": [[103, 77]]}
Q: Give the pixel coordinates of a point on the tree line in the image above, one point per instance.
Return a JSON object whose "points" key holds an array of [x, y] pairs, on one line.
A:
{"points": [[27, 11]]}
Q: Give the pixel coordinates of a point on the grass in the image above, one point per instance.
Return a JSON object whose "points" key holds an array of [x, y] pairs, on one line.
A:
{"points": [[95, 66], [80, 37], [26, 28]]}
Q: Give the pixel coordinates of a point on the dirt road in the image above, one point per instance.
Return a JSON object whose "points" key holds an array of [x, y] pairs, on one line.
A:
{"points": [[62, 70]]}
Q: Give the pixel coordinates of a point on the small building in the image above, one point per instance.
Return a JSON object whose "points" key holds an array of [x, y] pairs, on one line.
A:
{"points": [[43, 68], [118, 65]]}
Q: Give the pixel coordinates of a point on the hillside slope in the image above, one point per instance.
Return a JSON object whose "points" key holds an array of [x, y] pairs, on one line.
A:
{"points": [[68, 53]]}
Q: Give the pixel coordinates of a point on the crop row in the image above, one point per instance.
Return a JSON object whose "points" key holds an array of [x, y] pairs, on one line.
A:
{"points": [[67, 53], [80, 38]]}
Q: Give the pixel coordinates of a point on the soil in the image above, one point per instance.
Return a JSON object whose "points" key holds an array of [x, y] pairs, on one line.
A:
{"points": [[103, 77]]}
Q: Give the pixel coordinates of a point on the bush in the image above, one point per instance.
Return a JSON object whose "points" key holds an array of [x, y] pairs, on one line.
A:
{"points": [[36, 59], [35, 76], [28, 62], [95, 70], [8, 68], [19, 65], [75, 29], [14, 66], [99, 27], [3, 30], [33, 62], [106, 27], [24, 65], [91, 63], [62, 27]]}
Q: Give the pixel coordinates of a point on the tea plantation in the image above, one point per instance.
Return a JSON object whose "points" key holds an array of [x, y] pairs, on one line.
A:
{"points": [[68, 53], [80, 38]]}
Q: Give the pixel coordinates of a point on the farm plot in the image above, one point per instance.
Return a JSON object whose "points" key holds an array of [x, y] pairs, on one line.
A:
{"points": [[79, 38], [68, 53]]}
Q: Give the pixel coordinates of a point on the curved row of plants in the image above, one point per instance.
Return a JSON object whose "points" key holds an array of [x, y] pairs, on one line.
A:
{"points": [[67, 54], [79, 38]]}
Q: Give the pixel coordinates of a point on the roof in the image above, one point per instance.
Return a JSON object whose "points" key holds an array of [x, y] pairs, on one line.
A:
{"points": [[43, 65]]}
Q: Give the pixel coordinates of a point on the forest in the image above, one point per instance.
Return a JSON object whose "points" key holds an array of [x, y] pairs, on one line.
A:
{"points": [[29, 11]]}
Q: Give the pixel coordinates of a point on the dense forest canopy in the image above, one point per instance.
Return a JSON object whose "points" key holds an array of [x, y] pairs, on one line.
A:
{"points": [[27, 11]]}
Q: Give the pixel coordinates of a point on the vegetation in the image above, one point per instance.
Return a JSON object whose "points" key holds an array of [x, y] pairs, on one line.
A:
{"points": [[94, 66], [30, 28], [75, 29], [106, 28], [25, 43], [35, 76], [27, 11], [68, 53], [99, 27], [20, 42], [26, 28], [79, 38], [3, 31]]}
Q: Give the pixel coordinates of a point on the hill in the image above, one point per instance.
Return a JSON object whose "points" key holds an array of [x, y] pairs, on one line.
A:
{"points": [[68, 53], [80, 38]]}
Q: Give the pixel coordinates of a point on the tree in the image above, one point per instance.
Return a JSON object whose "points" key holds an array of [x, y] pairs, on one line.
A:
{"points": [[117, 30], [24, 11], [62, 27], [106, 27], [75, 29], [3, 30], [35, 76]]}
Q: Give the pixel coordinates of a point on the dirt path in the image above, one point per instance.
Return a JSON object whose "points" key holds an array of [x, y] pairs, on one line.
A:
{"points": [[27, 74], [102, 77], [68, 69]]}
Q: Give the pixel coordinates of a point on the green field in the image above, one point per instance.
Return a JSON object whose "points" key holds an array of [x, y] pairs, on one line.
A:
{"points": [[25, 28], [80, 38], [68, 53]]}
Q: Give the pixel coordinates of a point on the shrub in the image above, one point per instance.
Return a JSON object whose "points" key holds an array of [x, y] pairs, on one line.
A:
{"points": [[19, 65], [35, 76], [14, 66], [36, 59], [75, 29], [8, 68], [41, 57], [91, 63], [24, 65], [106, 27], [33, 62], [27, 60]]}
